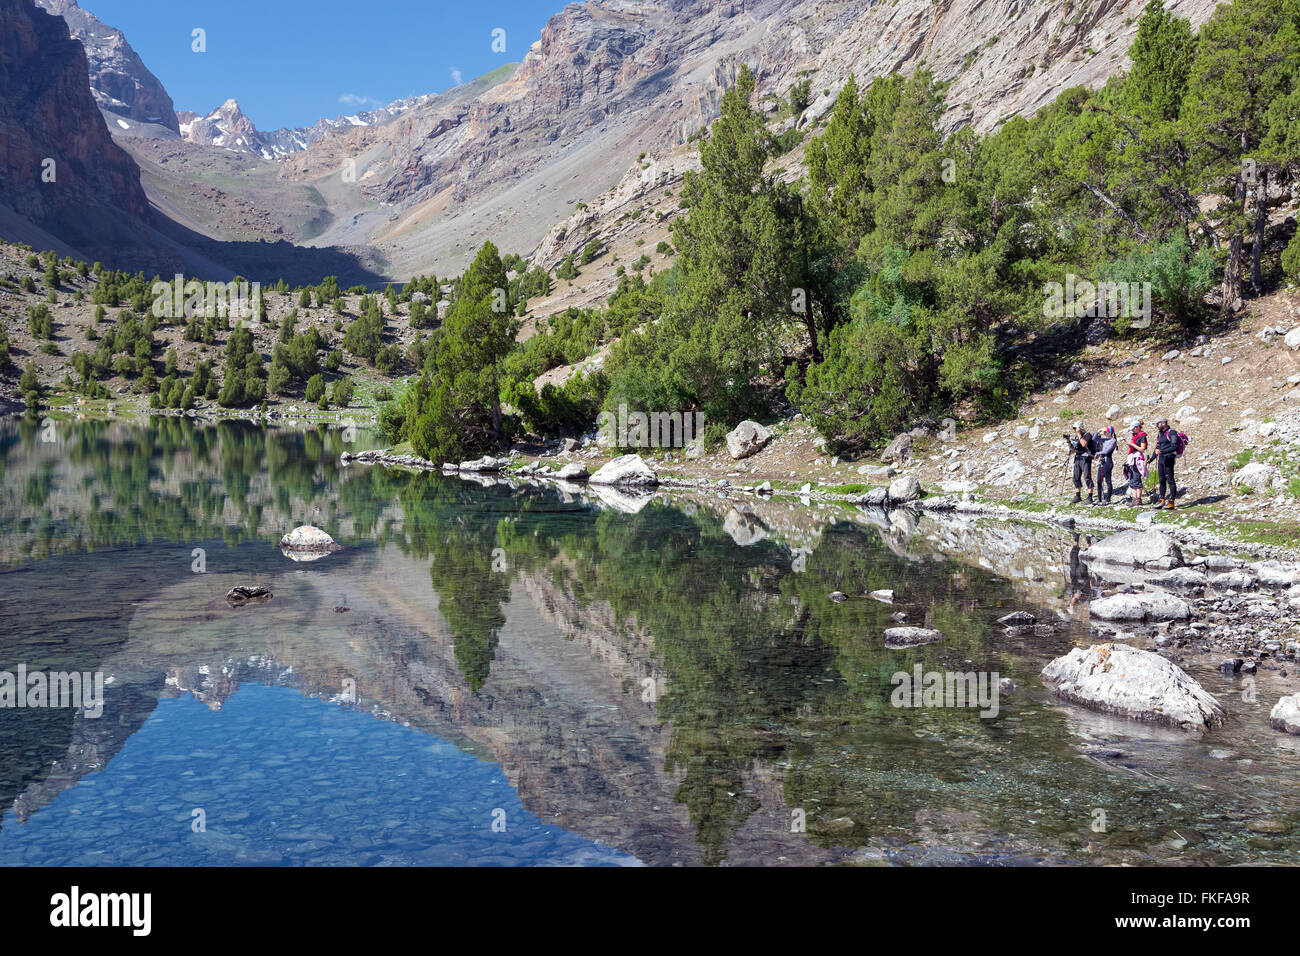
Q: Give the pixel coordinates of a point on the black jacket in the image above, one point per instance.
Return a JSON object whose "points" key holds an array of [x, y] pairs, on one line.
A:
{"points": [[1167, 442]]}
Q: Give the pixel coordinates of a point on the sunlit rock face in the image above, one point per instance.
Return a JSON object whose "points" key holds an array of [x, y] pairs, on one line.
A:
{"points": [[119, 80]]}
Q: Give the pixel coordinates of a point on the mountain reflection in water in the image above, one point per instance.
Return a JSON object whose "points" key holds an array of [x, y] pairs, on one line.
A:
{"points": [[655, 683]]}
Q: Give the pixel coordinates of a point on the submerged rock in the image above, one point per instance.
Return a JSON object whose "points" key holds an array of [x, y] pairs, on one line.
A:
{"points": [[625, 470], [308, 539], [243, 594], [1017, 619], [899, 637], [1140, 685]]}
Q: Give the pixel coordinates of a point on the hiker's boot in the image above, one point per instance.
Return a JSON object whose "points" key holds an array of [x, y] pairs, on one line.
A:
{"points": [[1169, 506], [1077, 498], [1090, 497]]}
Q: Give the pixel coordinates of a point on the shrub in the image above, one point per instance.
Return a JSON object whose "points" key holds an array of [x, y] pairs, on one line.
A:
{"points": [[342, 392], [315, 388], [1291, 259], [1179, 276]]}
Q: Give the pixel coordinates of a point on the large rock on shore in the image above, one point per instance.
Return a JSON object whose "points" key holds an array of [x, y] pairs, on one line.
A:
{"points": [[1127, 682], [1143, 606], [1151, 550], [625, 470], [486, 464], [1286, 715], [898, 450], [747, 438], [310, 540], [574, 472], [904, 489]]}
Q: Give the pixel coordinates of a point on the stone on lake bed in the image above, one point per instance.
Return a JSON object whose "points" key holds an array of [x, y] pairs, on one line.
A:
{"points": [[838, 597], [886, 595], [899, 637], [1137, 684], [1018, 619], [309, 539], [242, 594]]}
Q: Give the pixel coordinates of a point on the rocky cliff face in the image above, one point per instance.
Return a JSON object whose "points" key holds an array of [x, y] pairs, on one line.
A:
{"points": [[610, 79], [119, 80], [59, 164]]}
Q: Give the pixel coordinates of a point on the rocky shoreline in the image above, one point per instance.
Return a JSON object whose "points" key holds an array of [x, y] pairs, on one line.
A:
{"points": [[1240, 616]]}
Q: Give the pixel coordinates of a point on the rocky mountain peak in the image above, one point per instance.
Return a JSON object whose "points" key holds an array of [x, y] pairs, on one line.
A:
{"points": [[119, 80]]}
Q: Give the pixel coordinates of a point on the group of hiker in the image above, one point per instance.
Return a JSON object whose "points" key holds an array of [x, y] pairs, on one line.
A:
{"points": [[1086, 447]]}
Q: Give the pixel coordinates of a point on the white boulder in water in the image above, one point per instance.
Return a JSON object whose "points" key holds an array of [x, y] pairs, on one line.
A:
{"points": [[1286, 715], [308, 539], [1140, 685]]}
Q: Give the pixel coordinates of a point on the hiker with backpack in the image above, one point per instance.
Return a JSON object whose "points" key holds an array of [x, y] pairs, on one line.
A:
{"points": [[1081, 447], [1106, 443], [1169, 445], [1137, 440], [1135, 462]]}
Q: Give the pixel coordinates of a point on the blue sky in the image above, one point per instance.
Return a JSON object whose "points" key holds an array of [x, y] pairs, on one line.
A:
{"points": [[290, 62]]}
